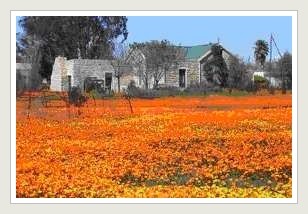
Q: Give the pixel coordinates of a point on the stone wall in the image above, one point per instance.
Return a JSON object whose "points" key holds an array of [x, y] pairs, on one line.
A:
{"points": [[58, 72], [79, 70], [127, 78], [227, 58], [83, 68], [193, 72], [191, 75]]}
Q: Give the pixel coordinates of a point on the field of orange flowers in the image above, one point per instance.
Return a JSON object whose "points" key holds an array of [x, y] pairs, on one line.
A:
{"points": [[191, 147]]}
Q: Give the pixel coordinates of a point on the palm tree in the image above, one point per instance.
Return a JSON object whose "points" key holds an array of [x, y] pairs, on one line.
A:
{"points": [[261, 51]]}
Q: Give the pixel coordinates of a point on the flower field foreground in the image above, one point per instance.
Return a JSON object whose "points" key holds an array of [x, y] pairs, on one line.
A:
{"points": [[168, 147]]}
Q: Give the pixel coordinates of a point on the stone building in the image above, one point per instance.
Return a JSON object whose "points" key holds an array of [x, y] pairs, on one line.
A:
{"points": [[183, 74], [75, 72]]}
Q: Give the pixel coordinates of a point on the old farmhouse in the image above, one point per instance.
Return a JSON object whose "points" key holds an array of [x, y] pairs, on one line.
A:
{"points": [[76, 72]]}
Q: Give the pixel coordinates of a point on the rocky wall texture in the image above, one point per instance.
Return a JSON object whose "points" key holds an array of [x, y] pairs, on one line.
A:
{"points": [[79, 70], [58, 72], [191, 74]]}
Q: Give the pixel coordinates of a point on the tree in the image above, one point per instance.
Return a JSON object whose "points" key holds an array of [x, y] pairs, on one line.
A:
{"points": [[72, 37], [137, 59], [159, 57], [32, 55], [285, 66], [120, 62], [215, 68], [169, 56], [261, 51], [237, 73]]}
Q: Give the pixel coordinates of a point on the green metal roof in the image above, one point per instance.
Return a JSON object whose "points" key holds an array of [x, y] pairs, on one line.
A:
{"points": [[195, 52]]}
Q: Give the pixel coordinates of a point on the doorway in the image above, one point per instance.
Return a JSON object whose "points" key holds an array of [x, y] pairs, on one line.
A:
{"points": [[108, 81], [182, 78]]}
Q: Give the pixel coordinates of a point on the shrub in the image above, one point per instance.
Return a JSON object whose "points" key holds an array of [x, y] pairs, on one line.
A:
{"points": [[168, 91], [259, 79], [250, 87], [202, 88], [134, 91], [271, 90], [76, 97], [260, 82]]}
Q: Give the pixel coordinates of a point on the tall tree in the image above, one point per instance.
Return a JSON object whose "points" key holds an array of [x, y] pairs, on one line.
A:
{"points": [[237, 73], [261, 51], [137, 59], [120, 62], [285, 68], [159, 56], [215, 68], [72, 37]]}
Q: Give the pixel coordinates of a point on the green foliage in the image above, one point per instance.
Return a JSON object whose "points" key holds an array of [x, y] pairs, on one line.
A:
{"points": [[234, 93], [259, 79], [215, 69], [95, 94], [285, 66], [70, 36], [260, 82], [238, 76], [261, 51]]}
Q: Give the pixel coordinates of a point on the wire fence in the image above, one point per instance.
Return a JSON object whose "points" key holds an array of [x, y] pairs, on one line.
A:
{"points": [[57, 106]]}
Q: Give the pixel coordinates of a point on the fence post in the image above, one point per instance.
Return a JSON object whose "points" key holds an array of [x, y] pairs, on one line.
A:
{"points": [[29, 104]]}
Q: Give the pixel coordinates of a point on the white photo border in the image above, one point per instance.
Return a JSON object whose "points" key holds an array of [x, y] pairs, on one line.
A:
{"points": [[293, 200]]}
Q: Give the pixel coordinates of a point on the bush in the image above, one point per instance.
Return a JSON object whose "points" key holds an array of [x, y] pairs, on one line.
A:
{"points": [[271, 90], [99, 94], [250, 87], [259, 79], [196, 88], [134, 91], [76, 97], [202, 88], [168, 91], [260, 82]]}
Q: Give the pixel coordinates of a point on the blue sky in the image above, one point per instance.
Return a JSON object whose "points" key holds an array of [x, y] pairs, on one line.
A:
{"points": [[236, 33]]}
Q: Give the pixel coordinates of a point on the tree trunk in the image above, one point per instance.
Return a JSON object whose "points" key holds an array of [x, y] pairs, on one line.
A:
{"points": [[119, 84], [146, 85], [156, 84]]}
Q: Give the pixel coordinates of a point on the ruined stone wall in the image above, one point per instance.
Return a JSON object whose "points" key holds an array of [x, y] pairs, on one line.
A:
{"points": [[127, 78], [192, 73], [83, 68], [227, 58], [58, 72], [79, 70]]}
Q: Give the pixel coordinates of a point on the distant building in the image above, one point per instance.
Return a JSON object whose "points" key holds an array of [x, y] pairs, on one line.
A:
{"points": [[185, 73], [182, 75], [274, 82]]}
